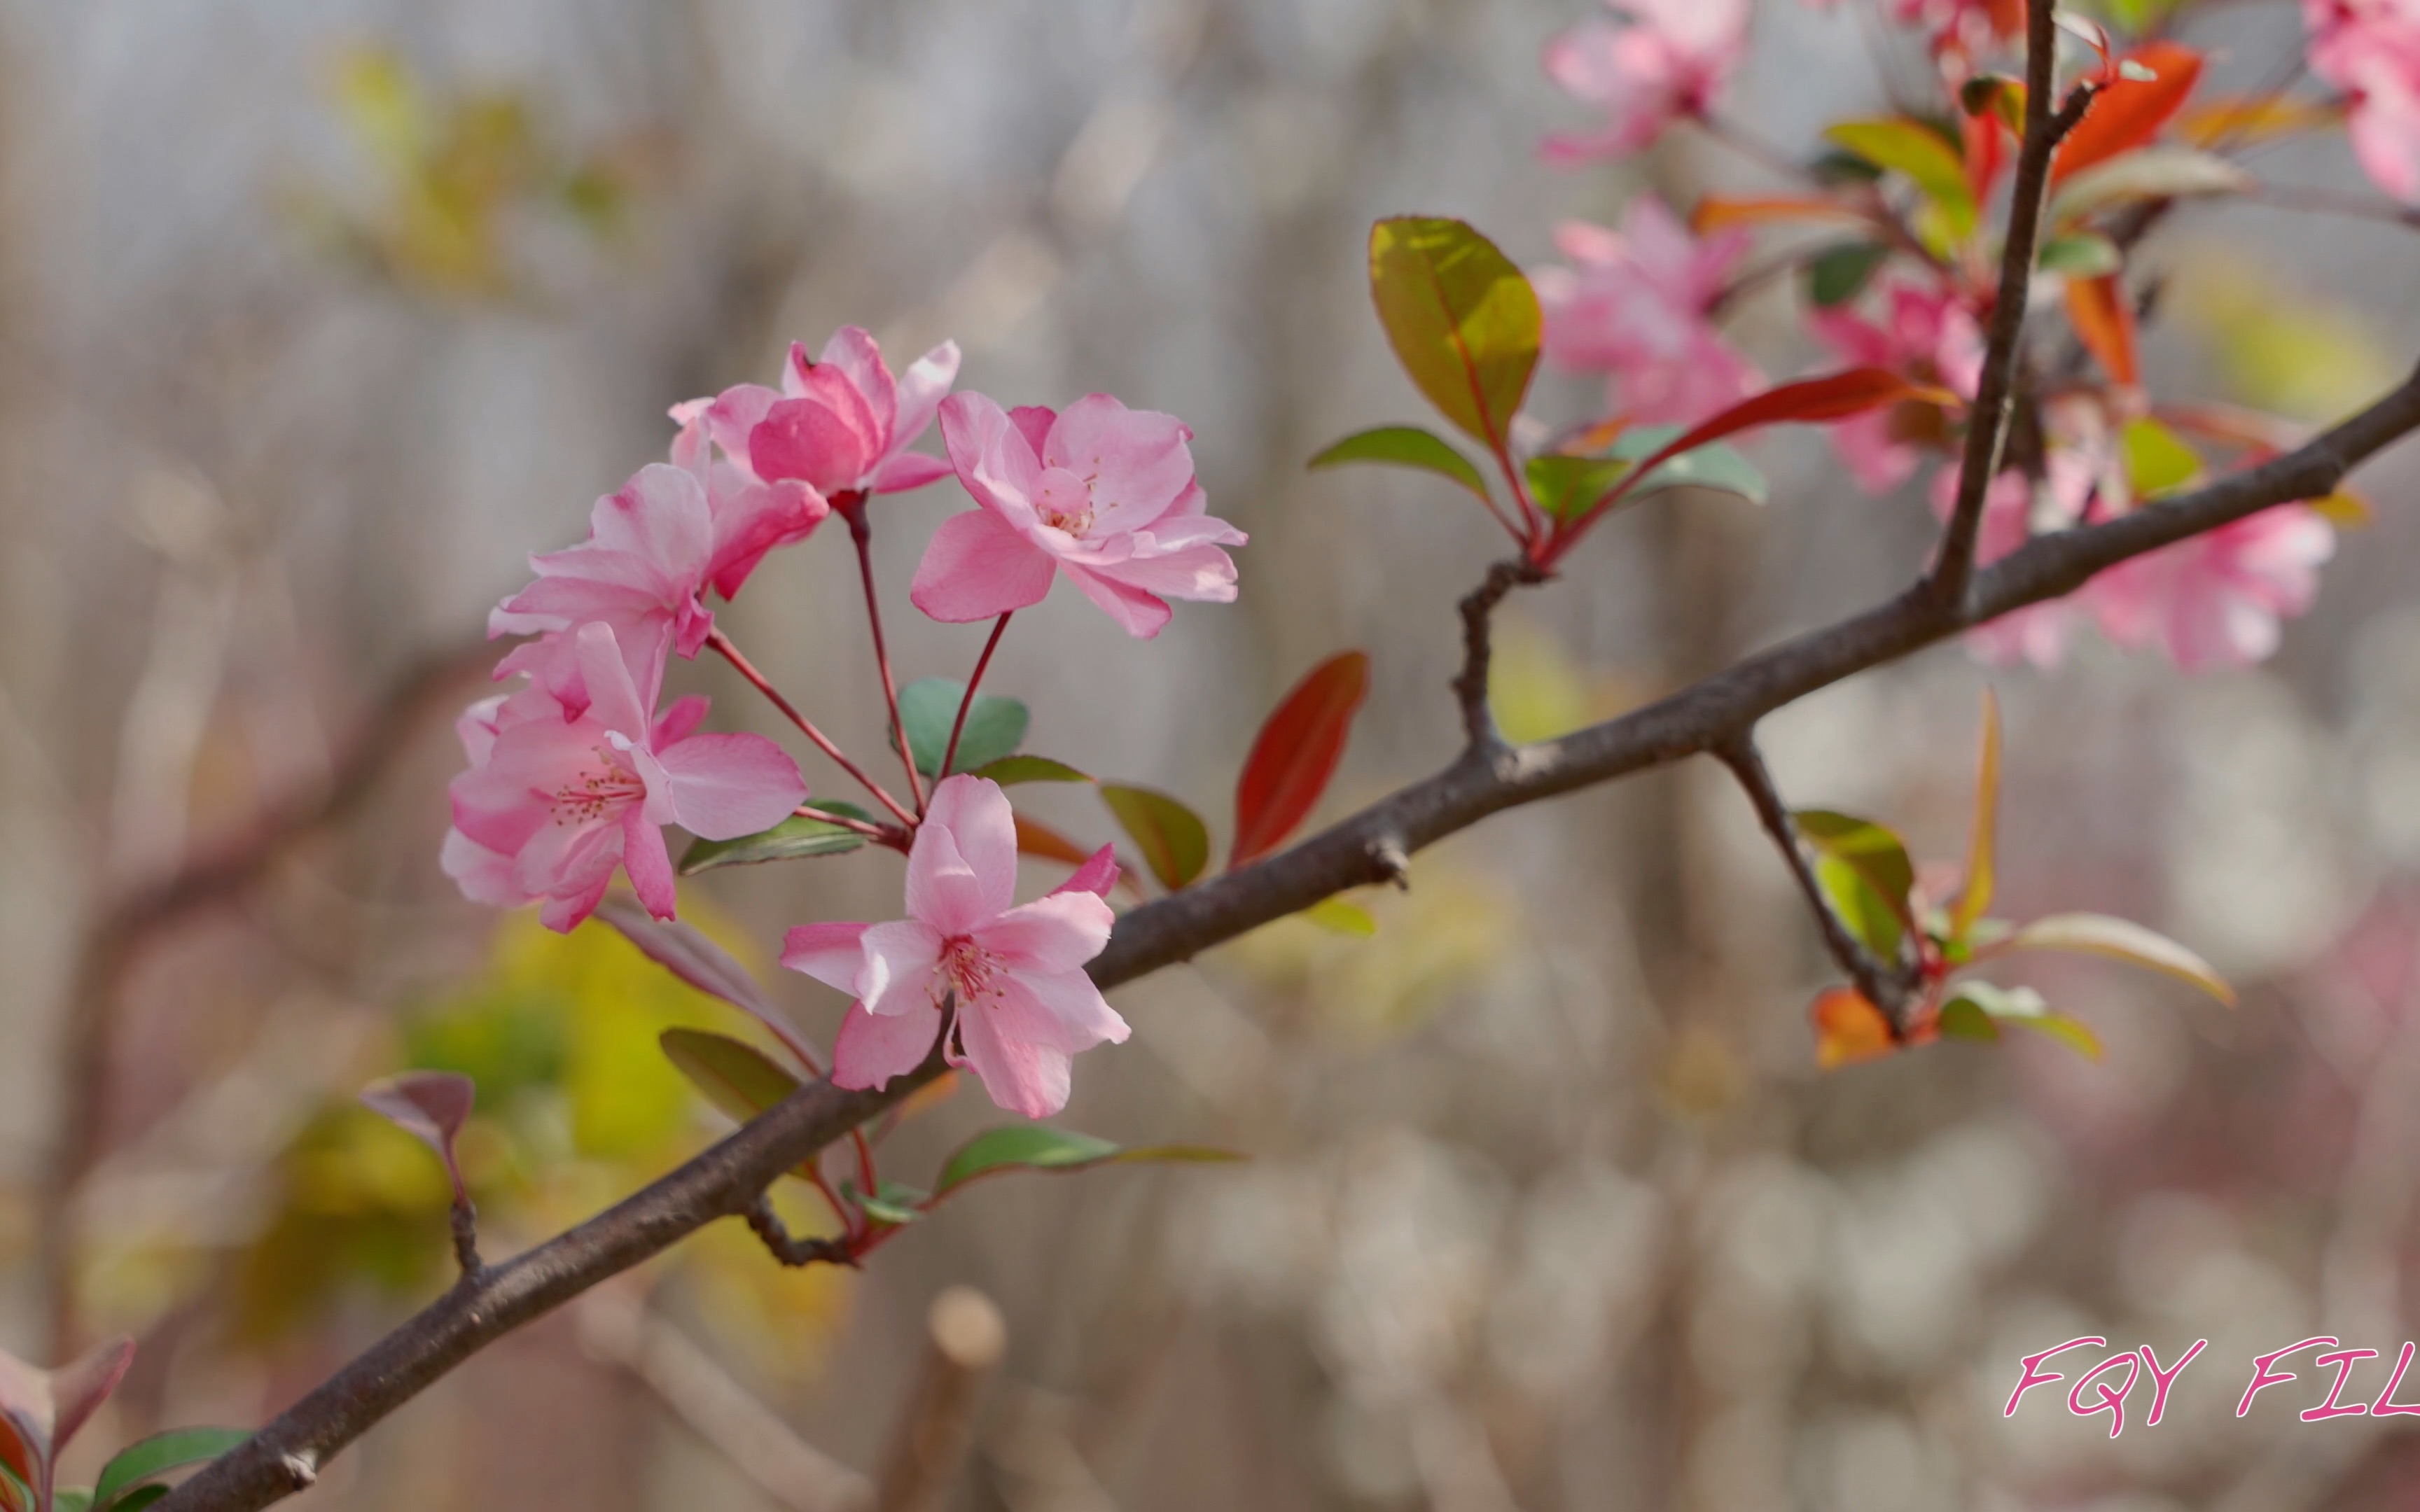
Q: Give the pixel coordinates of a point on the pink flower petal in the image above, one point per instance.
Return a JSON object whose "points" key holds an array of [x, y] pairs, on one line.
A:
{"points": [[853, 353], [833, 954], [872, 1048], [727, 785], [897, 976], [979, 568], [1057, 932], [909, 470], [650, 863], [1022, 1076], [1138, 614], [1095, 876], [1134, 461], [980, 824], [921, 388], [943, 891]]}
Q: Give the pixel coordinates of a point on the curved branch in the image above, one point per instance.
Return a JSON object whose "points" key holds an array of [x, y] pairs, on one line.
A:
{"points": [[727, 1180]]}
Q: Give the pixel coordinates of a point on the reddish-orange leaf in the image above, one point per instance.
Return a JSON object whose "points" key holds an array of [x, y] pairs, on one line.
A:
{"points": [[1848, 1029], [1034, 838], [1296, 754], [1720, 212], [2105, 322], [2242, 120], [1986, 139], [2129, 111]]}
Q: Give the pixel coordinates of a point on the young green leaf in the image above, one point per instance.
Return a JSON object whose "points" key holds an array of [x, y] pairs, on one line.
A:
{"points": [[1922, 156], [2147, 172], [139, 1497], [1865, 875], [1036, 1147], [929, 706], [792, 838], [1963, 1018], [1407, 446], [1975, 894], [71, 1499], [2158, 460], [148, 1459], [1174, 842], [895, 1204], [1340, 916], [1295, 753], [1568, 486], [1712, 466], [2082, 255], [737, 1078], [1835, 275], [2122, 940], [1010, 770], [1463, 321]]}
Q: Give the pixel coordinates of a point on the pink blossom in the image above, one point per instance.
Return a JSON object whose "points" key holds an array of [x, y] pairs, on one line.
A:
{"points": [[1669, 63], [1926, 333], [1634, 306], [1006, 983], [840, 423], [2036, 634], [751, 516], [649, 553], [2370, 49], [2217, 599], [555, 798], [1098, 492]]}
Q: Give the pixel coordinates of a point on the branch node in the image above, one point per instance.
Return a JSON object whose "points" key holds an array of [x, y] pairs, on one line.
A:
{"points": [[766, 1224], [301, 1471], [1393, 865]]}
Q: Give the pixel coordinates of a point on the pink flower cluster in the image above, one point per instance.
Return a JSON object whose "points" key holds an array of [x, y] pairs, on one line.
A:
{"points": [[1636, 306], [575, 775], [2370, 49], [1925, 333], [1668, 61]]}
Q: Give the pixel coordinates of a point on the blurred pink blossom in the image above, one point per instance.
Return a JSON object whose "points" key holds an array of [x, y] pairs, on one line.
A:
{"points": [[1666, 63], [1926, 333], [1100, 492], [1635, 305], [2217, 599], [2036, 634], [1012, 978], [2370, 49], [555, 799]]}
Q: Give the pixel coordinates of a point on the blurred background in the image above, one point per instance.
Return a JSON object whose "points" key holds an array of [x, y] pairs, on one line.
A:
{"points": [[315, 317]]}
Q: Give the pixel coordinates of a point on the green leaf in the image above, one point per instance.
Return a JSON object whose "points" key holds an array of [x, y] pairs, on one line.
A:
{"points": [[929, 706], [1462, 320], [1406, 446], [1010, 770], [793, 838], [2023, 1005], [1174, 842], [737, 1078], [1864, 871], [1983, 844], [896, 1204], [141, 1497], [1037, 1147], [1839, 274], [71, 1499], [1834, 166], [2082, 255], [1922, 156], [1962, 1018], [2146, 173], [1340, 916], [157, 1454], [1565, 486], [2122, 940], [2158, 460], [15, 1495], [1714, 466]]}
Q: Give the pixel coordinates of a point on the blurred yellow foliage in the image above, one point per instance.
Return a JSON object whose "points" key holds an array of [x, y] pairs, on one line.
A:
{"points": [[1441, 937], [1539, 692], [2306, 358]]}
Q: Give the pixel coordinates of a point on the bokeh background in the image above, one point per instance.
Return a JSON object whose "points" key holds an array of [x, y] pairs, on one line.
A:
{"points": [[315, 317]]}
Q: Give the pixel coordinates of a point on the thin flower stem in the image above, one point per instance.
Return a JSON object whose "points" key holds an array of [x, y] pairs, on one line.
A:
{"points": [[730, 653], [950, 755], [1749, 145], [860, 530], [824, 816]]}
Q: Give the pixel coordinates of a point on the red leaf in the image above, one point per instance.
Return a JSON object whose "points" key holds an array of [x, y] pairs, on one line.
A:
{"points": [[1296, 754], [2127, 112], [2105, 322], [1034, 838], [430, 1105]]}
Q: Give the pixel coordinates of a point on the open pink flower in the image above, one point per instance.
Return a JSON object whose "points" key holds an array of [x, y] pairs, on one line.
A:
{"points": [[840, 423], [554, 800], [1004, 982], [646, 558], [2217, 599], [2036, 634], [1100, 492], [1668, 63], [1924, 334], [2370, 49], [751, 516], [1635, 305]]}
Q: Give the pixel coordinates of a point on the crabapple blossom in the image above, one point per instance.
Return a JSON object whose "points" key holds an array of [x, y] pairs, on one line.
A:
{"points": [[555, 798], [1669, 63], [1635, 305], [840, 424], [751, 516], [2370, 49], [1098, 492], [2217, 599], [1926, 333], [1005, 981]]}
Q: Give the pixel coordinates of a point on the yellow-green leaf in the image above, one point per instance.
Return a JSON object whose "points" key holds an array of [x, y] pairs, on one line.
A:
{"points": [[1174, 842], [1463, 321], [1406, 446], [1340, 916], [1975, 895], [2122, 940], [1922, 156]]}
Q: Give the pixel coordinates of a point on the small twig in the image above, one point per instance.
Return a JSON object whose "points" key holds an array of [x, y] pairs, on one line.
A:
{"points": [[766, 1224], [1478, 611], [1987, 420], [894, 836], [957, 727], [466, 1238], [861, 531], [729, 652], [1884, 984], [966, 1338]]}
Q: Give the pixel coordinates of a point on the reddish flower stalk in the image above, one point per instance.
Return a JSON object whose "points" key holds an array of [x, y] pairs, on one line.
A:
{"points": [[861, 531], [957, 727], [730, 653]]}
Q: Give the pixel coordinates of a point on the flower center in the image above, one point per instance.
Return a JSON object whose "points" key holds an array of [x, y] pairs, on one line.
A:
{"points": [[597, 791], [1065, 502], [969, 970]]}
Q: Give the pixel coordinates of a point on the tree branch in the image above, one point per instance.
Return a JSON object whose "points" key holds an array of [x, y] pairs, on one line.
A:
{"points": [[1478, 651], [1884, 984], [728, 1179], [1987, 422]]}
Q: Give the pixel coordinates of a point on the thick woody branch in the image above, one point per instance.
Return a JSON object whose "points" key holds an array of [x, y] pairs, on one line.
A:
{"points": [[1884, 984], [1987, 422], [728, 1179]]}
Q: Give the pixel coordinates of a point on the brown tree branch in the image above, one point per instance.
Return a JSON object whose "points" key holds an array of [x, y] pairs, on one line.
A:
{"points": [[727, 1180], [1987, 422], [1478, 648]]}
